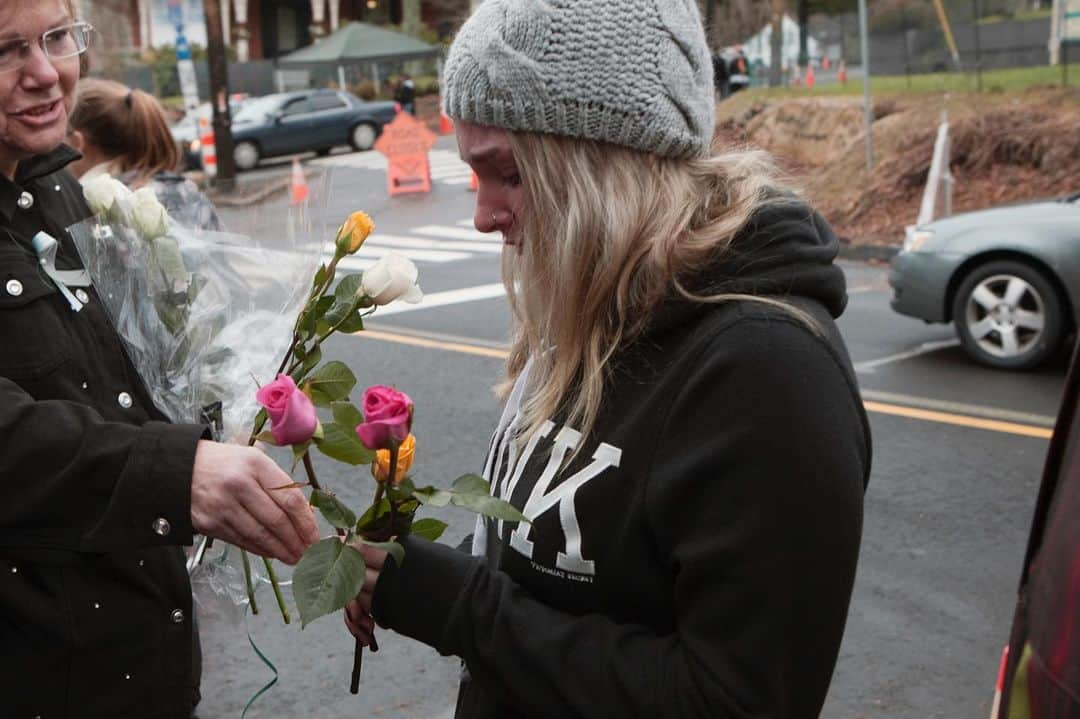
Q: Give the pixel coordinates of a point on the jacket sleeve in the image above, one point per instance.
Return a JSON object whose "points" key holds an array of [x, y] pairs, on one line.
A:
{"points": [[756, 508], [73, 481]]}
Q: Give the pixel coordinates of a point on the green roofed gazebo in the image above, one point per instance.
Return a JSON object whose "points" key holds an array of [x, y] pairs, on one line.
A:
{"points": [[358, 43]]}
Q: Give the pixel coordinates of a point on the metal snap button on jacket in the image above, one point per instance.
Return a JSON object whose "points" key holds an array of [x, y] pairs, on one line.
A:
{"points": [[162, 526], [125, 400], [81, 296], [177, 616], [25, 201], [14, 288]]}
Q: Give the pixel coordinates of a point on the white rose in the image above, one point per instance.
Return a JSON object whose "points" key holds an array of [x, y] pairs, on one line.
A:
{"points": [[391, 278], [147, 214], [103, 192]]}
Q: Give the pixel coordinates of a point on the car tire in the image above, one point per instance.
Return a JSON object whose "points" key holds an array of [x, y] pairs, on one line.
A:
{"points": [[1008, 315], [323, 152], [246, 155], [363, 136]]}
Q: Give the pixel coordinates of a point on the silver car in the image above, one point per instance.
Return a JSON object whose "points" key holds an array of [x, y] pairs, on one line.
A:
{"points": [[1008, 278]]}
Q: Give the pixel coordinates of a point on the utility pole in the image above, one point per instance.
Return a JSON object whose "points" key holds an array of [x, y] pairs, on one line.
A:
{"points": [[868, 110], [776, 53], [804, 29], [219, 95]]}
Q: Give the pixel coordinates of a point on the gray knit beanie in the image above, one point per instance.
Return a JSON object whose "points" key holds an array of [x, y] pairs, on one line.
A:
{"points": [[636, 73]]}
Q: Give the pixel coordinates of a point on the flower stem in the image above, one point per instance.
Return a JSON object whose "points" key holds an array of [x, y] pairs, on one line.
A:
{"points": [[277, 590], [247, 583], [390, 477]]}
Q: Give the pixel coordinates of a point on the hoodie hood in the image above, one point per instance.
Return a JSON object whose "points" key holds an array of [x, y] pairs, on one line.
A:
{"points": [[785, 250]]}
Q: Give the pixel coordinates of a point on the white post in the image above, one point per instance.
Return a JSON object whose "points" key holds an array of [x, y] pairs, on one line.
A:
{"points": [[375, 77], [242, 32], [868, 111], [318, 8], [335, 14], [341, 77], [938, 178]]}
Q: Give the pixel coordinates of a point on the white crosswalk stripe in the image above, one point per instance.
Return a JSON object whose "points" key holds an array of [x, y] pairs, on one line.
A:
{"points": [[428, 243], [446, 166]]}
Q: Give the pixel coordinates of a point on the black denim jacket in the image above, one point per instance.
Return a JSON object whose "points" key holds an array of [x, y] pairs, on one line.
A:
{"points": [[95, 604]]}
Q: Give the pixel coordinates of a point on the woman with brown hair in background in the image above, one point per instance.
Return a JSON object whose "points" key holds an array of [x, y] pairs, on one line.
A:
{"points": [[123, 132]]}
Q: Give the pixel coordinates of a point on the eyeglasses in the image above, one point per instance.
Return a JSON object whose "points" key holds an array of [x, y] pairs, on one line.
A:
{"points": [[57, 44]]}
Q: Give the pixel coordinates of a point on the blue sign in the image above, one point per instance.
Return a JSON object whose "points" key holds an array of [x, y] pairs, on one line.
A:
{"points": [[183, 49]]}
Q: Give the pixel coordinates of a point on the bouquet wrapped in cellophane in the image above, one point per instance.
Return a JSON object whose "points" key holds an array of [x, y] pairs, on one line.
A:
{"points": [[200, 313]]}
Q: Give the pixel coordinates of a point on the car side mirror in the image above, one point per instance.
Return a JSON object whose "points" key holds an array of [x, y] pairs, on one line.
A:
{"points": [[276, 117]]}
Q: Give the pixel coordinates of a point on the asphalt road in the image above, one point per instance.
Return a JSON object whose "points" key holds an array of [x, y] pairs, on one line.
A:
{"points": [[958, 452]]}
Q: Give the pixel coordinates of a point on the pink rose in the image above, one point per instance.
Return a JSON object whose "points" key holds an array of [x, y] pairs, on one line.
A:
{"points": [[292, 415], [387, 417]]}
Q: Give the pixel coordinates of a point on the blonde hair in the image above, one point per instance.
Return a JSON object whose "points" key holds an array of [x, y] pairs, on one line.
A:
{"points": [[128, 126], [611, 233]]}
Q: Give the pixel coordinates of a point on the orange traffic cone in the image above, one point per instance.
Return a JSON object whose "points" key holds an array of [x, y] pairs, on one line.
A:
{"points": [[810, 76], [474, 182], [299, 183], [995, 708], [446, 125]]}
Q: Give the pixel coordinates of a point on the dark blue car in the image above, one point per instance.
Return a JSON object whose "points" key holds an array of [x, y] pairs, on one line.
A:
{"points": [[313, 120]]}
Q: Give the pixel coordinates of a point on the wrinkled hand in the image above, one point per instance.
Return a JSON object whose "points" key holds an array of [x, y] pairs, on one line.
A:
{"points": [[232, 499], [358, 611]]}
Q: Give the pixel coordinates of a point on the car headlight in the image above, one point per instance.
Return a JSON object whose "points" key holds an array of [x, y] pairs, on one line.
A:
{"points": [[915, 238]]}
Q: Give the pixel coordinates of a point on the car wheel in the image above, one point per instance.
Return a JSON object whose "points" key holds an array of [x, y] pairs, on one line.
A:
{"points": [[323, 152], [246, 155], [363, 136], [1008, 315]]}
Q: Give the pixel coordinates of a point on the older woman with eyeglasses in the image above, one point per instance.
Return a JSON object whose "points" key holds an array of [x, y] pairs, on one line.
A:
{"points": [[99, 490]]}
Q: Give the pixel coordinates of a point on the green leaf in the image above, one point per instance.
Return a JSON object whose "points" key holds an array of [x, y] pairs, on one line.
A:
{"points": [[261, 418], [394, 549], [432, 496], [353, 323], [471, 484], [328, 577], [332, 509], [333, 381], [430, 529], [488, 506], [346, 414], [342, 444], [299, 450], [402, 490], [369, 519], [310, 318], [313, 358], [320, 276], [266, 437], [347, 288]]}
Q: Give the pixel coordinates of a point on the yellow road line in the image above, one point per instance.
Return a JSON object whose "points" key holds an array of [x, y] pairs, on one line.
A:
{"points": [[433, 344], [959, 420], [992, 425]]}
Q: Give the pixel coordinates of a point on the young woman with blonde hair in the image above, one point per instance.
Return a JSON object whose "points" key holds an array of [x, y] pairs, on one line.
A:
{"points": [[683, 426], [123, 132]]}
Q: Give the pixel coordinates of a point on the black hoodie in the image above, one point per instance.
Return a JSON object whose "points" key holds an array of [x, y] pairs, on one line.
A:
{"points": [[696, 558]]}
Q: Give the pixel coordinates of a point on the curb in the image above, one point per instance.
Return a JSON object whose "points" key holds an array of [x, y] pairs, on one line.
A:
{"points": [[867, 253], [234, 199]]}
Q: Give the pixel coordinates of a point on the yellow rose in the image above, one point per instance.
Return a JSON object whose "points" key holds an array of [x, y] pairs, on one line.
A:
{"points": [[380, 468], [353, 233]]}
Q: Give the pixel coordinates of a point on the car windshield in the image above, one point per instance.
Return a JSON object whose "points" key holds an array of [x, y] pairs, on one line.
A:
{"points": [[257, 110]]}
